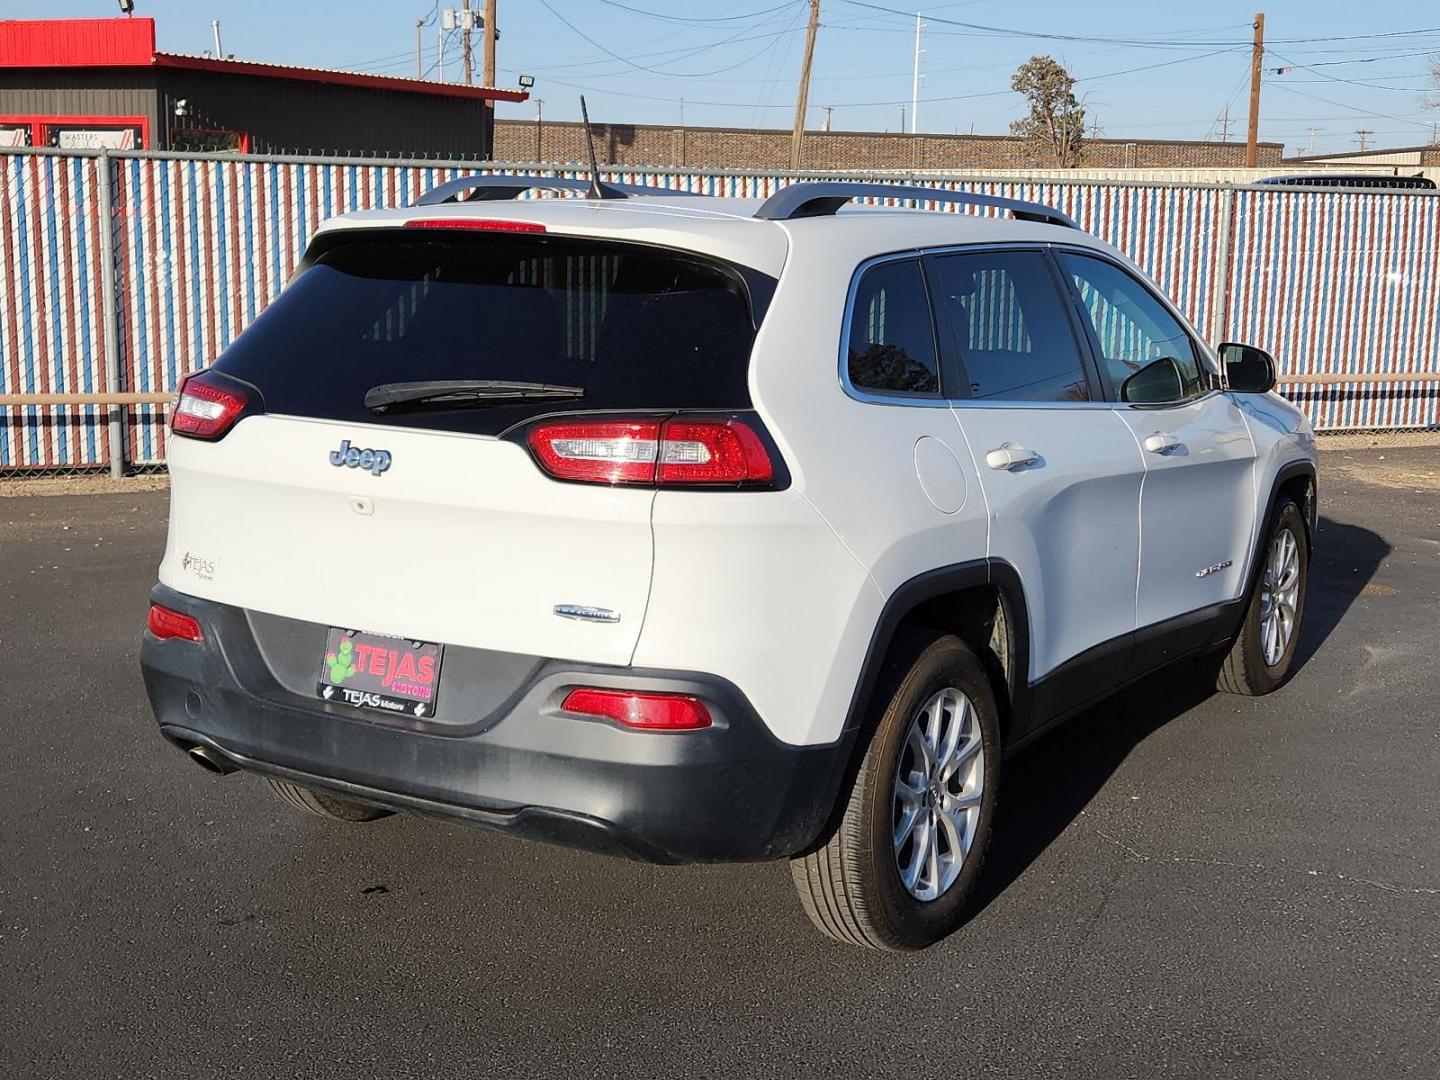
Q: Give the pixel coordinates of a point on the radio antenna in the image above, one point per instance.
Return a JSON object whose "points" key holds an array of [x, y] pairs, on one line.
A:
{"points": [[597, 190]]}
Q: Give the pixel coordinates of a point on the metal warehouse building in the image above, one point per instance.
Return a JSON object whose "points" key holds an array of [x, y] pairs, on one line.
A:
{"points": [[89, 83]]}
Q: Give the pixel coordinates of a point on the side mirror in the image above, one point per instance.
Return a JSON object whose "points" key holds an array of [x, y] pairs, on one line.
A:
{"points": [[1154, 384], [1248, 370]]}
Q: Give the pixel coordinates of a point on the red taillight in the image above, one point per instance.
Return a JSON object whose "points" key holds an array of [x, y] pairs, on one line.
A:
{"points": [[711, 452], [483, 224], [677, 453], [638, 709], [207, 406], [165, 623]]}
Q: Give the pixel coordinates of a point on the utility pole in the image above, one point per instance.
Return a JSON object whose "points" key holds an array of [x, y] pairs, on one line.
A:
{"points": [[831, 108], [467, 23], [802, 99], [1364, 138], [490, 35], [539, 128], [1257, 53], [419, 25], [1225, 124], [1313, 132], [915, 82]]}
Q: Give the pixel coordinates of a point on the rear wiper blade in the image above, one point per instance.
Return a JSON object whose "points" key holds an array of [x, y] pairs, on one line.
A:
{"points": [[465, 393]]}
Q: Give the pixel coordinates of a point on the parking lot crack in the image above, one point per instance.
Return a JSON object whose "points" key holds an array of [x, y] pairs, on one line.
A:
{"points": [[1265, 868]]}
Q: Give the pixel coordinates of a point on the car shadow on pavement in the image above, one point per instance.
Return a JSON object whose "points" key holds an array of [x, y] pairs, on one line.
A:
{"points": [[1345, 559], [1048, 785]]}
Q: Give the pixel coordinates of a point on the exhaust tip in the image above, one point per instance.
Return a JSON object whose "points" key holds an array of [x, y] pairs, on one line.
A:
{"points": [[211, 761]]}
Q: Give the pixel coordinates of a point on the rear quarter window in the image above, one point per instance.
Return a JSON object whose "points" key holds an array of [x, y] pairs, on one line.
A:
{"points": [[890, 342], [634, 327]]}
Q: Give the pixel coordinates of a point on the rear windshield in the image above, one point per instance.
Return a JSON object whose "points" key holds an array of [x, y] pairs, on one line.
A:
{"points": [[633, 327]]}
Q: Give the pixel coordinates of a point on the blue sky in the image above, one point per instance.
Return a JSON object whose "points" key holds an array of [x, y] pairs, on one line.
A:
{"points": [[736, 62]]}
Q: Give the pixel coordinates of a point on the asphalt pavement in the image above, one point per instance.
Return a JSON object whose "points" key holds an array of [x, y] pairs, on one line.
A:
{"points": [[1183, 884]]}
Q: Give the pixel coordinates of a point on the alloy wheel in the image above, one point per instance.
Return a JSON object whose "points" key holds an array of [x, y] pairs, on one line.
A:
{"points": [[939, 783], [1279, 596]]}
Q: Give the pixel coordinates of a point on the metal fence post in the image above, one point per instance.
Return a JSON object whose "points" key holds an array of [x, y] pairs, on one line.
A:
{"points": [[1221, 280], [105, 193]]}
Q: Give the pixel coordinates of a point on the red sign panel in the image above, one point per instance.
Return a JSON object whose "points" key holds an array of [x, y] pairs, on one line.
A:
{"points": [[76, 42]]}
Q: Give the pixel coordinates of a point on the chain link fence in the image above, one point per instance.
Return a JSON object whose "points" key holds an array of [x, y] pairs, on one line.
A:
{"points": [[121, 272]]}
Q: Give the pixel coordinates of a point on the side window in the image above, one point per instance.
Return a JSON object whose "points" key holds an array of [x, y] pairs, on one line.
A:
{"points": [[1003, 320], [1147, 353], [891, 342]]}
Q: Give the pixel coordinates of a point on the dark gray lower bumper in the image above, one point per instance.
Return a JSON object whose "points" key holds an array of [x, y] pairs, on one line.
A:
{"points": [[731, 792]]}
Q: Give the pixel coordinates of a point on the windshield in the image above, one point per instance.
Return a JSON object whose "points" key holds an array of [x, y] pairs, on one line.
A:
{"points": [[631, 327]]}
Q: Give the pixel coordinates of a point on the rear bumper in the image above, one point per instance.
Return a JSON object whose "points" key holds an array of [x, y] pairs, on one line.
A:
{"points": [[522, 765]]}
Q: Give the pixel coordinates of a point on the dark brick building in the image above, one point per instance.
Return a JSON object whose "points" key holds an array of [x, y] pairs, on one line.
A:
{"points": [[84, 83], [750, 148]]}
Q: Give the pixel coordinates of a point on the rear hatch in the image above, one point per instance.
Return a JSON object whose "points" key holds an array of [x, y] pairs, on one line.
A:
{"points": [[431, 520]]}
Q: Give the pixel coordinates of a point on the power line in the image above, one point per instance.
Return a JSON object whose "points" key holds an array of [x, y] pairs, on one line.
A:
{"points": [[1353, 82], [682, 53], [1229, 101], [1152, 67], [1139, 42], [1342, 105], [658, 71], [896, 101], [696, 19], [1373, 59], [439, 51], [676, 30], [771, 65]]}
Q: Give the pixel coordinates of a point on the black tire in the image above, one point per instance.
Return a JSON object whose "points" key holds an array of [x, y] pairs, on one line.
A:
{"points": [[1244, 669], [325, 804], [851, 887]]}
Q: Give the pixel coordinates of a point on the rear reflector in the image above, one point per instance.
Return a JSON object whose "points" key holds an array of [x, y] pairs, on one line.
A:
{"points": [[207, 406], [637, 709], [165, 623], [482, 224], [678, 453]]}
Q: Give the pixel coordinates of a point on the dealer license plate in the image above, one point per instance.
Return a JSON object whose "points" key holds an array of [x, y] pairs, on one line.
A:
{"points": [[373, 671]]}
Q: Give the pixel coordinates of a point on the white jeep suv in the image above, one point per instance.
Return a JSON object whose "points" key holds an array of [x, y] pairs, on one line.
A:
{"points": [[697, 529]]}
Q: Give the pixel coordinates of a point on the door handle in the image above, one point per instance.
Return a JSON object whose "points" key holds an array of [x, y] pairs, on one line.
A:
{"points": [[1009, 456], [1160, 443]]}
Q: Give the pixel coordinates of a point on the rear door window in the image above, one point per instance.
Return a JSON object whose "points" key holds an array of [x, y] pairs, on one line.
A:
{"points": [[1004, 323], [632, 327]]}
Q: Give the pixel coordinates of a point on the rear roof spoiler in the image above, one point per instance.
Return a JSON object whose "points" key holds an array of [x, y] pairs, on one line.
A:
{"points": [[821, 199], [485, 188]]}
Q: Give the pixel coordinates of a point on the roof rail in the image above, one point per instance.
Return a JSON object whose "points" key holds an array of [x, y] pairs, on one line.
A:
{"points": [[820, 199], [484, 188]]}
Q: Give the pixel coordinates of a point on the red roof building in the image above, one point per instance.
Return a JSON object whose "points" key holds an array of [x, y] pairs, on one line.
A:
{"points": [[85, 83]]}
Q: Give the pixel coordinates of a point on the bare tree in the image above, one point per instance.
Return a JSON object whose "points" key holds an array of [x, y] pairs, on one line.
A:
{"points": [[1056, 120]]}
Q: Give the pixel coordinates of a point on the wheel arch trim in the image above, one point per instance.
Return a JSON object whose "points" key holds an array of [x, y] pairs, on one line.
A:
{"points": [[910, 594], [904, 599], [1309, 514]]}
